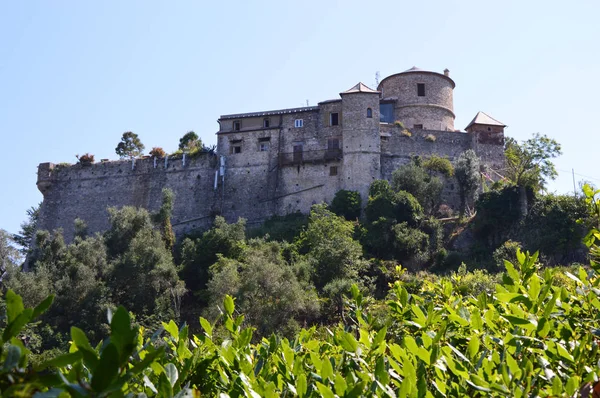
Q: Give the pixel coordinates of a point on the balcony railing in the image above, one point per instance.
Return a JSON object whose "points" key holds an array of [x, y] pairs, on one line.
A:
{"points": [[313, 157]]}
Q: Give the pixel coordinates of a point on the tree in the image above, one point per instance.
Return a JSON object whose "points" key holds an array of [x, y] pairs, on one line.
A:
{"points": [[329, 246], [9, 255], [266, 289], [346, 204], [190, 141], [157, 152], [528, 163], [25, 237], [468, 177], [163, 218], [143, 275], [197, 255], [130, 146], [414, 179]]}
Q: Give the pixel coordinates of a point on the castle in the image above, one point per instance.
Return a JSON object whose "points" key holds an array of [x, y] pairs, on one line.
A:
{"points": [[281, 161]]}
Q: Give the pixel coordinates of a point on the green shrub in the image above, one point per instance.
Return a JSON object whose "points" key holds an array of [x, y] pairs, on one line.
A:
{"points": [[398, 123], [406, 133], [346, 204], [281, 228], [439, 165], [430, 138], [521, 336], [506, 251]]}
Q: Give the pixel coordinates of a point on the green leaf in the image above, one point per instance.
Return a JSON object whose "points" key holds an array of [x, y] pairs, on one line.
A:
{"points": [[301, 385], [164, 386], [206, 326], [348, 342], [13, 328], [562, 351], [172, 329], [228, 304], [172, 373], [14, 305], [42, 307], [13, 355], [510, 270], [572, 385], [557, 387], [122, 334], [326, 369], [518, 321], [421, 318], [107, 369], [379, 337], [61, 361], [325, 391], [403, 296], [80, 339], [81, 342], [148, 359], [473, 347], [340, 385], [543, 327]]}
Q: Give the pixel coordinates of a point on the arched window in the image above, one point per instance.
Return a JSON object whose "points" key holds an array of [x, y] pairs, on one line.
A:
{"points": [[369, 113]]}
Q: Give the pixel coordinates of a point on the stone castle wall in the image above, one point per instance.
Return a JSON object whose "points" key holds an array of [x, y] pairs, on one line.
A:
{"points": [[86, 192]]}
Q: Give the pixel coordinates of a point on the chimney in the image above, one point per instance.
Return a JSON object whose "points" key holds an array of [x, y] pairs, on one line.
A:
{"points": [[446, 72]]}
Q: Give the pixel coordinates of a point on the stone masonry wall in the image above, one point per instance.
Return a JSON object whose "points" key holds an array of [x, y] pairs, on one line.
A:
{"points": [[87, 191]]}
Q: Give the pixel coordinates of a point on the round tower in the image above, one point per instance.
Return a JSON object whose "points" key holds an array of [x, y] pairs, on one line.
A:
{"points": [[423, 99], [361, 140]]}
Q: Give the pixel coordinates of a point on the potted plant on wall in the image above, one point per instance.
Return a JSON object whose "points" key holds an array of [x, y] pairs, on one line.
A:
{"points": [[86, 159]]}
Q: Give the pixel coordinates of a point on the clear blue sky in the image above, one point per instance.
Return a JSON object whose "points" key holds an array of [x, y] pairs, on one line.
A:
{"points": [[74, 75]]}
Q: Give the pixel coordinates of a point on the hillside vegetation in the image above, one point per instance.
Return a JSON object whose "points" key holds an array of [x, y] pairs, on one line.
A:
{"points": [[403, 298]]}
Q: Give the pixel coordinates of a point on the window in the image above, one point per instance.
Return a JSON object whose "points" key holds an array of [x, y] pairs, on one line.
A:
{"points": [[264, 144], [386, 113], [298, 123], [369, 113], [334, 119], [236, 147], [333, 171], [298, 153], [266, 123], [333, 144], [421, 89], [237, 125], [418, 126]]}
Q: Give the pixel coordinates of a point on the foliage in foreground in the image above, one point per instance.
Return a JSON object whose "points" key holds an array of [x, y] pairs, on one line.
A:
{"points": [[531, 337]]}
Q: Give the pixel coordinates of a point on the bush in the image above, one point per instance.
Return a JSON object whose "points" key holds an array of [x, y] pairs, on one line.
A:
{"points": [[430, 138], [507, 251], [406, 133], [346, 204], [398, 123], [439, 165], [414, 179], [281, 228], [157, 152], [85, 159], [407, 208]]}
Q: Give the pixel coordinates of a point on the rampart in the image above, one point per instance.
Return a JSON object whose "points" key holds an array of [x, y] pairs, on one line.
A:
{"points": [[86, 192]]}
